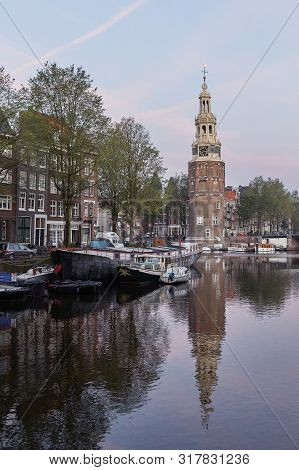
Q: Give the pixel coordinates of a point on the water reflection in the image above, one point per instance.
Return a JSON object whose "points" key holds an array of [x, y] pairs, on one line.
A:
{"points": [[114, 353], [113, 359], [207, 329]]}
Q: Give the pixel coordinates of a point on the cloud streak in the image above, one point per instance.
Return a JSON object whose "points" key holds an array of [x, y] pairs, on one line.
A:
{"points": [[102, 28]]}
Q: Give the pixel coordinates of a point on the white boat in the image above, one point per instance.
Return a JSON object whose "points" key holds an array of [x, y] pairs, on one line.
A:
{"points": [[176, 275], [206, 249], [35, 275], [265, 248]]}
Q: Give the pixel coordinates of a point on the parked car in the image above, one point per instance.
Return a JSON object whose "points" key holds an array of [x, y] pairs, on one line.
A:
{"points": [[15, 250]]}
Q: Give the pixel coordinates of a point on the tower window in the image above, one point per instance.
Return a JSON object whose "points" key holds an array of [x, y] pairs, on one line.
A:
{"points": [[210, 129], [204, 106], [208, 106], [204, 129]]}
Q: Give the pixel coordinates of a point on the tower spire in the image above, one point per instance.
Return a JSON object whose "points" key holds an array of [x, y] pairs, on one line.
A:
{"points": [[204, 71]]}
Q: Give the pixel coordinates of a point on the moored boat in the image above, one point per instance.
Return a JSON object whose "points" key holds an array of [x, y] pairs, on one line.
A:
{"points": [[140, 273], [238, 248], [13, 292], [206, 250], [263, 248], [102, 264], [175, 275], [36, 275]]}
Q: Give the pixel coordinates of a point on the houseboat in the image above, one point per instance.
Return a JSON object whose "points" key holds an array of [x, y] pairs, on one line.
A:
{"points": [[104, 263], [263, 248]]}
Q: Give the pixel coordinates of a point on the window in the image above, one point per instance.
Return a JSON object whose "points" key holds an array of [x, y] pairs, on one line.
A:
{"points": [[41, 202], [199, 220], [23, 179], [91, 189], [5, 203], [3, 230], [23, 232], [42, 182], [22, 201], [53, 189], [31, 202], [87, 168], [91, 210], [215, 220], [210, 130], [207, 232], [76, 210], [32, 180], [60, 211], [86, 192], [42, 160], [86, 210], [204, 129], [218, 205], [53, 208], [56, 234], [6, 176]]}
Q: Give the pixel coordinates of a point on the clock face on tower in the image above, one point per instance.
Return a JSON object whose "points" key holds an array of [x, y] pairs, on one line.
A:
{"points": [[203, 151]]}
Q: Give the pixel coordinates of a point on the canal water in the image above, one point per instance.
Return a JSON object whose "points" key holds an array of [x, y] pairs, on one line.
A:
{"points": [[209, 365]]}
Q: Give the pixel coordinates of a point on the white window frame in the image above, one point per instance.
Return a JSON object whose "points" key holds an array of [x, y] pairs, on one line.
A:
{"points": [[60, 210], [53, 189], [53, 208], [86, 209], [32, 180], [42, 177], [76, 210], [22, 200], [41, 203], [30, 199], [199, 220], [5, 202], [23, 177]]}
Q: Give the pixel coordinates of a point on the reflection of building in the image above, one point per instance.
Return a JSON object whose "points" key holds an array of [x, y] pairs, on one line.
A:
{"points": [[113, 357], [206, 176], [207, 329]]}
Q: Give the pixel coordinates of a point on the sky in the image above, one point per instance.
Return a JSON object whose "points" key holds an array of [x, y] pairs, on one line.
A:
{"points": [[146, 58]]}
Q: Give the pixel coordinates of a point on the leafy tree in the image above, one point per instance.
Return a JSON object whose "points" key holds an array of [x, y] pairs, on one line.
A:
{"points": [[141, 162], [10, 104], [265, 200], [65, 117], [111, 173]]}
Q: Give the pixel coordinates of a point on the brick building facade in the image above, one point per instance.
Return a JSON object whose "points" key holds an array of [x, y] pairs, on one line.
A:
{"points": [[206, 177]]}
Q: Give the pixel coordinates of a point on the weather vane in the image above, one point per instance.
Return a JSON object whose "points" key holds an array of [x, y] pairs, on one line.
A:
{"points": [[204, 71]]}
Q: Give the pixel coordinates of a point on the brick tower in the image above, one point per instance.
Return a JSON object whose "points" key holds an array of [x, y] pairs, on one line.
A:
{"points": [[206, 176]]}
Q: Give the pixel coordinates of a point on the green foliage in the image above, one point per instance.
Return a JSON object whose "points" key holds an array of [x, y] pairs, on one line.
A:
{"points": [[66, 118], [10, 105], [266, 200]]}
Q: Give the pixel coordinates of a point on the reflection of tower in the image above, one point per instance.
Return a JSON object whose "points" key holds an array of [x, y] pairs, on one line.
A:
{"points": [[207, 329], [206, 176]]}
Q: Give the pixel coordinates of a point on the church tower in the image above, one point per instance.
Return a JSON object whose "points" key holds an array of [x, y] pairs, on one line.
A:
{"points": [[206, 176]]}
